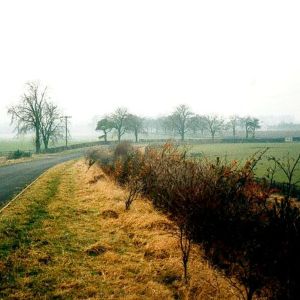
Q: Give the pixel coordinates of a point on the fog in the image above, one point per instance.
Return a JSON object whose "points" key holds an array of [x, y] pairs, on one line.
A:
{"points": [[219, 57]]}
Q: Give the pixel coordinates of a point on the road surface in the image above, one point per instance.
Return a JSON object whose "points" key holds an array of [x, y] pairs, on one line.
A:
{"points": [[13, 178]]}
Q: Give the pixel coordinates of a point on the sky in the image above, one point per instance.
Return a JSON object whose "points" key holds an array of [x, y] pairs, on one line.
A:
{"points": [[222, 57]]}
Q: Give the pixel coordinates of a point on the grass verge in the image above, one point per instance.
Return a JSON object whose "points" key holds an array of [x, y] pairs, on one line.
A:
{"points": [[69, 237]]}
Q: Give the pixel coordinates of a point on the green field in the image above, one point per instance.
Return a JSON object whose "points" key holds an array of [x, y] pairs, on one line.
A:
{"points": [[228, 152], [27, 144], [15, 144], [241, 152]]}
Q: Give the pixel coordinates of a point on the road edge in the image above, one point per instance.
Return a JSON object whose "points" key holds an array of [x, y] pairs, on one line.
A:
{"points": [[23, 191]]}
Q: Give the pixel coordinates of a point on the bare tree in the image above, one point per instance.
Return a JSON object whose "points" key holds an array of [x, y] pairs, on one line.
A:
{"points": [[250, 124], [29, 112], [51, 125], [106, 125], [289, 167], [233, 123], [214, 125], [119, 121], [135, 124], [202, 124], [197, 123], [180, 120], [165, 124], [185, 247], [194, 124]]}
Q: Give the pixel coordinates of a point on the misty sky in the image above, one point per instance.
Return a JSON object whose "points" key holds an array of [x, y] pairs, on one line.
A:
{"points": [[216, 56]]}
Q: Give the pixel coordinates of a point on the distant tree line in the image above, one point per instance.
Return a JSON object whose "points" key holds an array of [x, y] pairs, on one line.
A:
{"points": [[285, 126], [181, 122]]}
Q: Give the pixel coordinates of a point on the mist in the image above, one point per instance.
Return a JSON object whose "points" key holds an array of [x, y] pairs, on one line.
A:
{"points": [[216, 57]]}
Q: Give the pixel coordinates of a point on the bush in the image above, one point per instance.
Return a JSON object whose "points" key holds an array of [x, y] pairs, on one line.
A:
{"points": [[253, 239], [102, 156], [18, 154], [122, 150]]}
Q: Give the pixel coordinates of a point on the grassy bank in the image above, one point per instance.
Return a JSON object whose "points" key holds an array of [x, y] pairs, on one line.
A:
{"points": [[69, 237]]}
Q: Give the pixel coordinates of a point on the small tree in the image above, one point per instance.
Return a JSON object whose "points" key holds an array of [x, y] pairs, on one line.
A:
{"points": [[194, 124], [185, 241], [289, 167], [118, 119], [134, 186], [134, 124], [180, 119], [202, 124], [51, 124], [250, 124], [233, 124], [197, 123], [105, 125], [166, 124], [214, 125]]}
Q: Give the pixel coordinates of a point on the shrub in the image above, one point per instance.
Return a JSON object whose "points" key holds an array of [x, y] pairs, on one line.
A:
{"points": [[102, 156], [122, 150], [253, 239], [19, 154]]}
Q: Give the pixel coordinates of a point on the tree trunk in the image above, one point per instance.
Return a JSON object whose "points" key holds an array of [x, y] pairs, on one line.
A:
{"points": [[136, 135], [234, 134], [46, 143], [119, 135], [37, 140], [250, 294], [182, 135], [105, 136]]}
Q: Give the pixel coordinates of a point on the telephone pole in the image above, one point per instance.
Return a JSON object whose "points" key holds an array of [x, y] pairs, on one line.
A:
{"points": [[66, 127]]}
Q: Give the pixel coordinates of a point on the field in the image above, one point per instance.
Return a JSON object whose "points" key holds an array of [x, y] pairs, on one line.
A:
{"points": [[241, 152], [13, 144], [229, 152], [27, 144]]}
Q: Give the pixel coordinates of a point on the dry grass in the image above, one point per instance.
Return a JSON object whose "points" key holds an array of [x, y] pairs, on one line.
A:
{"points": [[80, 243], [5, 162]]}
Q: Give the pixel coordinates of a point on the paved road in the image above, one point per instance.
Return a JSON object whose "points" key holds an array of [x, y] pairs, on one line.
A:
{"points": [[13, 178]]}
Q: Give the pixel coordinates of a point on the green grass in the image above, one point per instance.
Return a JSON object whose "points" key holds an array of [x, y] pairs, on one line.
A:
{"points": [[16, 144], [241, 152], [17, 234], [27, 144]]}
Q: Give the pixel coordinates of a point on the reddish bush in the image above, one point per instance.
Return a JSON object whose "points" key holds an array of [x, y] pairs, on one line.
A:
{"points": [[223, 207]]}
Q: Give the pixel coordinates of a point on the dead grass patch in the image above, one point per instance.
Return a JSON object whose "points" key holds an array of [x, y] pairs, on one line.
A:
{"points": [[96, 249], [110, 214]]}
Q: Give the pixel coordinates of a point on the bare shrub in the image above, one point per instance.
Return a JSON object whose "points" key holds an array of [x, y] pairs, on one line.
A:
{"points": [[102, 156], [288, 166], [122, 150], [221, 206], [134, 187]]}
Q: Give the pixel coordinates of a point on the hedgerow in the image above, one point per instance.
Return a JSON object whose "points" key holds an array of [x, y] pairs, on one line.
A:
{"points": [[250, 236]]}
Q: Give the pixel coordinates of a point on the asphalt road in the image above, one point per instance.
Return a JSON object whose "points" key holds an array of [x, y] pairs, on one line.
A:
{"points": [[13, 178]]}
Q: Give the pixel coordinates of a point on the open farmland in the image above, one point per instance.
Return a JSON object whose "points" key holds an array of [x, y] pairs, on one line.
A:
{"points": [[241, 152], [27, 144], [24, 144]]}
